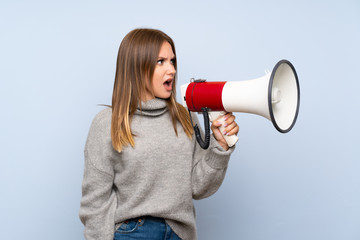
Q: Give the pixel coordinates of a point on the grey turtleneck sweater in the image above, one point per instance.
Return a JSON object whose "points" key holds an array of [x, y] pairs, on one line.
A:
{"points": [[158, 177]]}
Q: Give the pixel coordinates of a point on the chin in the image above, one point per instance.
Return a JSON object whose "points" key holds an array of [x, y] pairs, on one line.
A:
{"points": [[165, 96]]}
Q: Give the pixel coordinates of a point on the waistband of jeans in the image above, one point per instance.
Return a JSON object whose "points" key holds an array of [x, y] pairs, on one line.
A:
{"points": [[155, 219]]}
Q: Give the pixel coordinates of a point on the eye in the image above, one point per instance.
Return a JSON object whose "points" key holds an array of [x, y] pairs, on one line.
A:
{"points": [[173, 61], [160, 61]]}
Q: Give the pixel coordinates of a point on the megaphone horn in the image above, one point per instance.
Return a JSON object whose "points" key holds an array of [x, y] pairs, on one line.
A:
{"points": [[275, 96]]}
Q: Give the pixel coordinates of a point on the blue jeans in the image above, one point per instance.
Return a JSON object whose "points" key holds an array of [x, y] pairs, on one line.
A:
{"points": [[149, 228]]}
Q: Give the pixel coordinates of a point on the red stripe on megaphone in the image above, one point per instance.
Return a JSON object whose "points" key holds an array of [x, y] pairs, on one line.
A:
{"points": [[204, 94]]}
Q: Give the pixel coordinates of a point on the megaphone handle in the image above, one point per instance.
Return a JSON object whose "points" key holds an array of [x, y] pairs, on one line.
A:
{"points": [[220, 116]]}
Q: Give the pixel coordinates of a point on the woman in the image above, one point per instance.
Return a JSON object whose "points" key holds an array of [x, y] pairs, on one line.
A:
{"points": [[143, 166]]}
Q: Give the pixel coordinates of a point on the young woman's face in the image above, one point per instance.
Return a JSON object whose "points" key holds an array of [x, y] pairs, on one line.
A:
{"points": [[164, 73]]}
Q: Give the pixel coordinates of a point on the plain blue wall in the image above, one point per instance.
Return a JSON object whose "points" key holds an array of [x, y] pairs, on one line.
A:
{"points": [[57, 62]]}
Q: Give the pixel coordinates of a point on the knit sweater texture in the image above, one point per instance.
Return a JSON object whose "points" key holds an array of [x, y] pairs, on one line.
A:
{"points": [[160, 176]]}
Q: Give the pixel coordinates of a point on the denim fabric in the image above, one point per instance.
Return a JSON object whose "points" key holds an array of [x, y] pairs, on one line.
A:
{"points": [[149, 228]]}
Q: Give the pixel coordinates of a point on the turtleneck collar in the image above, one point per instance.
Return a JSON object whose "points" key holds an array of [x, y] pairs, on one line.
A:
{"points": [[154, 107]]}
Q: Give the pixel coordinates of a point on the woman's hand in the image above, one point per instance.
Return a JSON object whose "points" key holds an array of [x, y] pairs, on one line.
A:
{"points": [[231, 128]]}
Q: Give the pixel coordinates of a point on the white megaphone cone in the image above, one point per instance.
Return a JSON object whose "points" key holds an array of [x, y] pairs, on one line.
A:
{"points": [[275, 96]]}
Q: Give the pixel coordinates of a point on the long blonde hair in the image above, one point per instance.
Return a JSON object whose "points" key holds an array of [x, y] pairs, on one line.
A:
{"points": [[136, 61]]}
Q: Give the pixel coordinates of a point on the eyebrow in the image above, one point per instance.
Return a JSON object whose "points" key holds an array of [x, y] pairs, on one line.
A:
{"points": [[166, 57]]}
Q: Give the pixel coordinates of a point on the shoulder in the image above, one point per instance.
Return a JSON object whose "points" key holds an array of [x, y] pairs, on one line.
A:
{"points": [[98, 147], [102, 118], [101, 123]]}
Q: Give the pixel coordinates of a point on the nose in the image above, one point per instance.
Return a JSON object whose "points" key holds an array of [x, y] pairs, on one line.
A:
{"points": [[171, 69]]}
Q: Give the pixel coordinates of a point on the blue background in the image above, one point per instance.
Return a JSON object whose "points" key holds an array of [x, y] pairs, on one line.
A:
{"points": [[57, 62]]}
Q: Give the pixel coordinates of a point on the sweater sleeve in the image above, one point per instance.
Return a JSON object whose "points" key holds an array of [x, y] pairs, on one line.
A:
{"points": [[98, 203], [209, 167]]}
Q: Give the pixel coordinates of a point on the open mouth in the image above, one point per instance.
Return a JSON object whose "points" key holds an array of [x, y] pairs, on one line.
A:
{"points": [[168, 84]]}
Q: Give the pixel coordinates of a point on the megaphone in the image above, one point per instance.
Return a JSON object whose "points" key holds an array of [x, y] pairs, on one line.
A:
{"points": [[275, 96]]}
